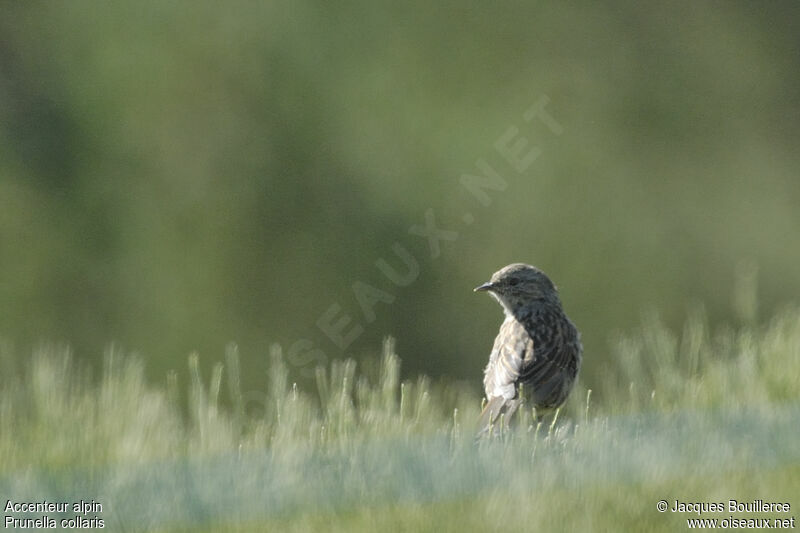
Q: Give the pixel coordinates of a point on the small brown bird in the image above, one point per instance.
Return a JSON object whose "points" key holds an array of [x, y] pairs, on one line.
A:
{"points": [[538, 347]]}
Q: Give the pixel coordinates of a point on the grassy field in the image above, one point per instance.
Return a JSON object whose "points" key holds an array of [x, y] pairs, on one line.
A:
{"points": [[700, 416]]}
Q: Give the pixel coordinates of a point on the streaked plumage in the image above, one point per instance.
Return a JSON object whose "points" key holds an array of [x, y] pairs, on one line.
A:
{"points": [[537, 347]]}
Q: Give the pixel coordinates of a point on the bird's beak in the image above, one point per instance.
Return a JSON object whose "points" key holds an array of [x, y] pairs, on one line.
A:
{"points": [[485, 287]]}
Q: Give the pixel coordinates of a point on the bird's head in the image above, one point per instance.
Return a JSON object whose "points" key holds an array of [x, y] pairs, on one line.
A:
{"points": [[518, 285]]}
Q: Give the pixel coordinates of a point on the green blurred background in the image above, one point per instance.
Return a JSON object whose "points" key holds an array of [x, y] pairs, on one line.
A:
{"points": [[176, 176]]}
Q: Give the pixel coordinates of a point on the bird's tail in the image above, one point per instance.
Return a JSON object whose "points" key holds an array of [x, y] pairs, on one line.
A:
{"points": [[490, 415]]}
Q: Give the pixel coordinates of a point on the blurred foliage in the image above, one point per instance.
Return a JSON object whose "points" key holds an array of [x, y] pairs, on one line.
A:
{"points": [[369, 451], [175, 176]]}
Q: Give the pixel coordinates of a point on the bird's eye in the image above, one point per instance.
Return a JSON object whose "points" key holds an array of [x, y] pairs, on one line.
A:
{"points": [[513, 281]]}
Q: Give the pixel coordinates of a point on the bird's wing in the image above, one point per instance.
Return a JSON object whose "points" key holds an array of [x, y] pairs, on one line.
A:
{"points": [[511, 355], [555, 353], [548, 370]]}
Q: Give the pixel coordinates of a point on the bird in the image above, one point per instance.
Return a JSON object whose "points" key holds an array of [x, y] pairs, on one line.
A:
{"points": [[537, 353]]}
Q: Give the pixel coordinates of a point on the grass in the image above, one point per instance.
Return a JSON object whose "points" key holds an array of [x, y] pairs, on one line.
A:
{"points": [[695, 416]]}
